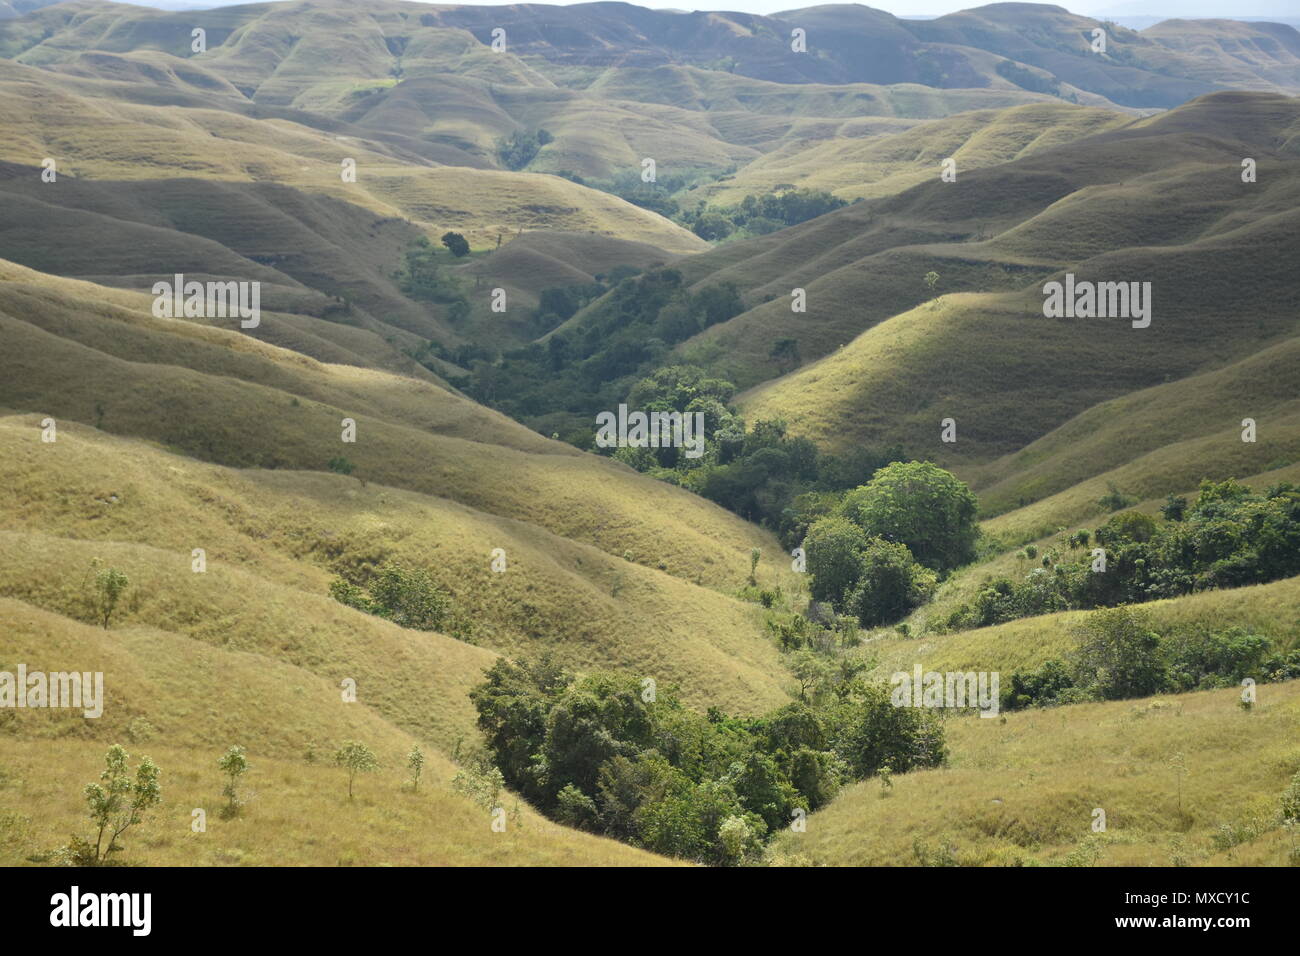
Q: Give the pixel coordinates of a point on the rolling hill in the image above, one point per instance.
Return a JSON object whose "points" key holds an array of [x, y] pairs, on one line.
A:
{"points": [[342, 435]]}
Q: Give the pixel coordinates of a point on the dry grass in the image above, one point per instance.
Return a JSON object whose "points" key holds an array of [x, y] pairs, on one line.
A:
{"points": [[1022, 792]]}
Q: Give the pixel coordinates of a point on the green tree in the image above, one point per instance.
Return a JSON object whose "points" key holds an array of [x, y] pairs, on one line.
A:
{"points": [[120, 803], [575, 809], [1119, 654], [456, 243], [922, 506], [833, 550], [739, 839], [234, 764], [415, 766], [355, 758], [110, 583], [891, 584], [712, 226], [871, 733], [406, 596], [813, 673]]}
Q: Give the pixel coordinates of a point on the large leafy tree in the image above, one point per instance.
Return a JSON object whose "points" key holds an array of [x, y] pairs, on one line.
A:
{"points": [[922, 506], [833, 549], [890, 586]]}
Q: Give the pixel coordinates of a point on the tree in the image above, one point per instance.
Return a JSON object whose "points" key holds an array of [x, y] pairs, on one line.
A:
{"points": [[931, 280], [785, 352], [120, 803], [712, 226], [234, 764], [455, 242], [404, 595], [922, 506], [812, 672], [109, 583], [1174, 508], [355, 758], [890, 585], [739, 840], [872, 733], [833, 551], [1119, 654], [415, 766], [575, 809]]}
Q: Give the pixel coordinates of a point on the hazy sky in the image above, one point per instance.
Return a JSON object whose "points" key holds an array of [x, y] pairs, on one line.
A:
{"points": [[1164, 9]]}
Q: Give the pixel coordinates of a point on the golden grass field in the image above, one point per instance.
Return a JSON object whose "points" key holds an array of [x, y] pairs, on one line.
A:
{"points": [[1020, 790]]}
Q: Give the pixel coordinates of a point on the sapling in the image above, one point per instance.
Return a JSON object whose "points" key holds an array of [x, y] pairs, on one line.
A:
{"points": [[355, 758], [120, 803], [234, 764], [415, 766], [109, 583]]}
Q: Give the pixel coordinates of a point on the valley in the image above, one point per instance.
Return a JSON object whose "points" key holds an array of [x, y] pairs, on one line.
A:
{"points": [[605, 404]]}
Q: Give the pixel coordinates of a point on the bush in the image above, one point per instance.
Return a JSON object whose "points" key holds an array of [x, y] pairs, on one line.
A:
{"points": [[891, 584], [1119, 654], [456, 244], [406, 596]]}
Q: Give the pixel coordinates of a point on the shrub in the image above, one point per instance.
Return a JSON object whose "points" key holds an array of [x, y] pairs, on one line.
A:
{"points": [[890, 585], [404, 595]]}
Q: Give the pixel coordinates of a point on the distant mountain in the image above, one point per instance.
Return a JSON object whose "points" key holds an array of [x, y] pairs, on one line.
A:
{"points": [[277, 54]]}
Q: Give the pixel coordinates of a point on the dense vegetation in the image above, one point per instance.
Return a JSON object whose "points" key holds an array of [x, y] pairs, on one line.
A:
{"points": [[615, 351], [1229, 537], [1121, 654], [613, 754], [759, 215], [407, 596], [878, 554], [755, 215], [521, 147], [421, 277]]}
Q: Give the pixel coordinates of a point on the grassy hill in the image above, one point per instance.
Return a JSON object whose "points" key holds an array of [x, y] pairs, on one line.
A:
{"points": [[94, 134], [896, 367], [874, 166], [297, 811], [1022, 790], [598, 534], [259, 620], [924, 303]]}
